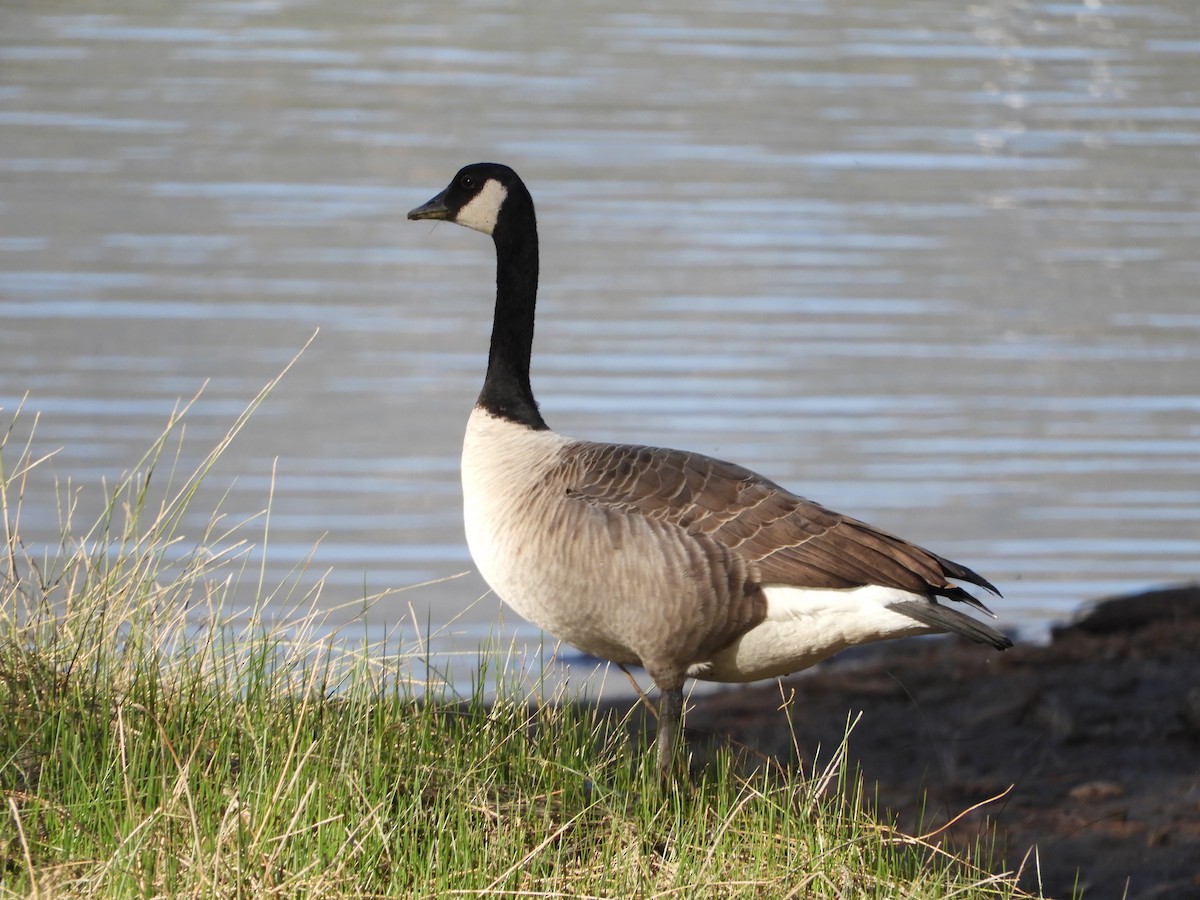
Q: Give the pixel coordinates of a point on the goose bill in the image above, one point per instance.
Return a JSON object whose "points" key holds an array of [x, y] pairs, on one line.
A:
{"points": [[431, 209]]}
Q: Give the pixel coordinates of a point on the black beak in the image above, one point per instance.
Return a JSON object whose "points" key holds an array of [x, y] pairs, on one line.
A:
{"points": [[432, 209]]}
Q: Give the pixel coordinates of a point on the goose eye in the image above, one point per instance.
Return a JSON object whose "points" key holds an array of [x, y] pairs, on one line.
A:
{"points": [[467, 181]]}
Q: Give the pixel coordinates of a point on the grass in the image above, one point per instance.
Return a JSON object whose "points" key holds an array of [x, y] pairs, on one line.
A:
{"points": [[156, 742]]}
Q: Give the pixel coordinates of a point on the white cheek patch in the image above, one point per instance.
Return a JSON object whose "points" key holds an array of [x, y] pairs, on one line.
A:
{"points": [[481, 213]]}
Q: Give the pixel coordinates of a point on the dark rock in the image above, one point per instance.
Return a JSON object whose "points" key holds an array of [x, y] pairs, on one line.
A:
{"points": [[1128, 613]]}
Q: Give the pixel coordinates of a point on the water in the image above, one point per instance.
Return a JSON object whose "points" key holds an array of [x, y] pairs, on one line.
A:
{"points": [[932, 264]]}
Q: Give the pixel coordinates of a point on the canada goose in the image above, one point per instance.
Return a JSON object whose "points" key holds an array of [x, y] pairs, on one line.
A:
{"points": [[683, 564]]}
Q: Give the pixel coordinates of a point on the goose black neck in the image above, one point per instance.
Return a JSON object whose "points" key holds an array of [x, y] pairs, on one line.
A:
{"points": [[506, 389]]}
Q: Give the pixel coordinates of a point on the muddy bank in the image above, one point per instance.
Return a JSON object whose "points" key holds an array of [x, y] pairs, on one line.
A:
{"points": [[1098, 735]]}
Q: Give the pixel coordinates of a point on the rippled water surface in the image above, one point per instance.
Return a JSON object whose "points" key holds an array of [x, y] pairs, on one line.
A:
{"points": [[933, 264]]}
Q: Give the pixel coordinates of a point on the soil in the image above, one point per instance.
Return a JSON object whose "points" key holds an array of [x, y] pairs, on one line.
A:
{"points": [[1095, 737]]}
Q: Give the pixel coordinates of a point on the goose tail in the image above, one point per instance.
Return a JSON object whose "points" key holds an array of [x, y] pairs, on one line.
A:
{"points": [[943, 618]]}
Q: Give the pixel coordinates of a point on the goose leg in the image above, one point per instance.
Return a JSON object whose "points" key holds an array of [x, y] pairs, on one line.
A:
{"points": [[670, 711]]}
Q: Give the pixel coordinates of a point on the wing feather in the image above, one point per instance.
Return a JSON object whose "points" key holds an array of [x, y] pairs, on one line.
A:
{"points": [[789, 540]]}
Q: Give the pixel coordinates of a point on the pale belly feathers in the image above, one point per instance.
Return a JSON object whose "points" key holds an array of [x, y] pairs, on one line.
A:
{"points": [[520, 542]]}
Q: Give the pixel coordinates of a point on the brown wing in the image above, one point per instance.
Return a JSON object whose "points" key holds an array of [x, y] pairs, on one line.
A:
{"points": [[789, 539]]}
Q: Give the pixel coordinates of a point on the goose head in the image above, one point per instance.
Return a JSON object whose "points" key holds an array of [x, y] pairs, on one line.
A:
{"points": [[481, 196]]}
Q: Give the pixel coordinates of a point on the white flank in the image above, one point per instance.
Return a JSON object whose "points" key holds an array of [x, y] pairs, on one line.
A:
{"points": [[804, 626], [483, 210]]}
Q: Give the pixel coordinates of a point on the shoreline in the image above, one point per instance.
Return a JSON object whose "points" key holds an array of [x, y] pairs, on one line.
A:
{"points": [[1093, 740]]}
